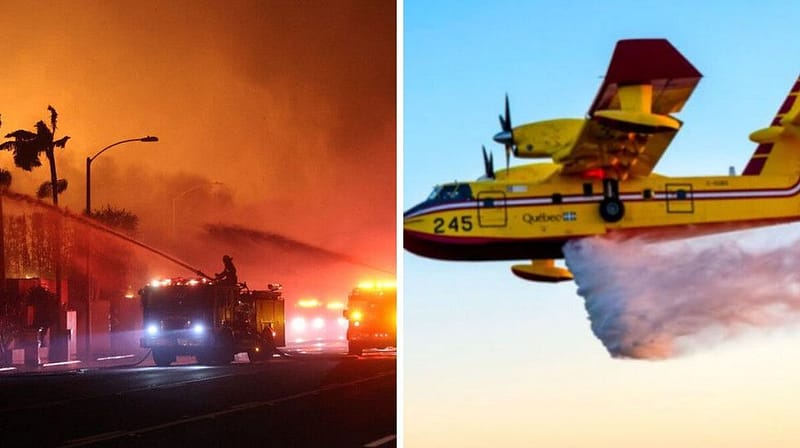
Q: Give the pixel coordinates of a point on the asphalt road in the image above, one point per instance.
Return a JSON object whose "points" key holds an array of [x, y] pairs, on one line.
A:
{"points": [[307, 400]]}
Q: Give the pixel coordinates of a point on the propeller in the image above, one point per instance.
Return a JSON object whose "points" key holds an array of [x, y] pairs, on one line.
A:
{"points": [[506, 135], [488, 163]]}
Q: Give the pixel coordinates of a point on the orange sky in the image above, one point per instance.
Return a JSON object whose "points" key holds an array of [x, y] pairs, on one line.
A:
{"points": [[290, 105]]}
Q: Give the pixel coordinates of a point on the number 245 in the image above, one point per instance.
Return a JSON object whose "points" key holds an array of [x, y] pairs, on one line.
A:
{"points": [[456, 224]]}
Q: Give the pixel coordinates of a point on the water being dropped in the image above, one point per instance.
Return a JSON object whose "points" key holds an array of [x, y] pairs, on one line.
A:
{"points": [[657, 301]]}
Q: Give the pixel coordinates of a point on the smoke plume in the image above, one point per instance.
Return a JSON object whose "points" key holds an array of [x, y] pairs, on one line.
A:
{"points": [[259, 108], [657, 301], [240, 235]]}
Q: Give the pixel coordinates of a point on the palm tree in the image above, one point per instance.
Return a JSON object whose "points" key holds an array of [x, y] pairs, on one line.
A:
{"points": [[27, 147]]}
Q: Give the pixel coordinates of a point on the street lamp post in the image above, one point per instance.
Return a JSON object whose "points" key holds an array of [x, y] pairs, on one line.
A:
{"points": [[89, 161], [175, 200]]}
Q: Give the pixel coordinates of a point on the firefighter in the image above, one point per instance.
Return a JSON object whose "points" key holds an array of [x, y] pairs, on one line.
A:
{"points": [[228, 274]]}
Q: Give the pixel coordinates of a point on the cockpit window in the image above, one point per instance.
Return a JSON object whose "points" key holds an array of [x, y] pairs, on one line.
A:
{"points": [[434, 193], [450, 193]]}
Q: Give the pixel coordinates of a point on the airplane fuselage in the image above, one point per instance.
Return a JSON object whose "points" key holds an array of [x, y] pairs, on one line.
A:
{"points": [[601, 179], [513, 219]]}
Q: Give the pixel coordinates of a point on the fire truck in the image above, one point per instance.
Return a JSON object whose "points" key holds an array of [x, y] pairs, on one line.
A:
{"points": [[211, 321], [372, 317]]}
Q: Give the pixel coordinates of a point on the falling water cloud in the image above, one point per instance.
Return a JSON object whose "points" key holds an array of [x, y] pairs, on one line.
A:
{"points": [[242, 235], [661, 300]]}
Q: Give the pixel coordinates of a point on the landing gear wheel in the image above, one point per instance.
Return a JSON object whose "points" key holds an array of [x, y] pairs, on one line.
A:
{"points": [[612, 209]]}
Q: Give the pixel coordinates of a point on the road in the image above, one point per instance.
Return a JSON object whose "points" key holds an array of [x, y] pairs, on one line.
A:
{"points": [[306, 400]]}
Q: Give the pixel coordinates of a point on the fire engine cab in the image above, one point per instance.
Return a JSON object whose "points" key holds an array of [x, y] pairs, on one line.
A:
{"points": [[372, 316]]}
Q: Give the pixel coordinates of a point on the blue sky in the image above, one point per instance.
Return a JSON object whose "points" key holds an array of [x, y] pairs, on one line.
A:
{"points": [[492, 360]]}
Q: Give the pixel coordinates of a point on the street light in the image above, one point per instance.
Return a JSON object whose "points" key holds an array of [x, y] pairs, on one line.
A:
{"points": [[175, 199], [89, 160]]}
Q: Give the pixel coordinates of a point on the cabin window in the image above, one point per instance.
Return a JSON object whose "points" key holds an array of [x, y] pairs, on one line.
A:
{"points": [[557, 199], [647, 193], [680, 194], [588, 190]]}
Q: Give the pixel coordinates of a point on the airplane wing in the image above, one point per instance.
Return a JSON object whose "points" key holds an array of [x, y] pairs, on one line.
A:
{"points": [[629, 124]]}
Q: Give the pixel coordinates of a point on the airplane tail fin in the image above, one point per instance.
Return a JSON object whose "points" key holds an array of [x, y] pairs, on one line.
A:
{"points": [[778, 150]]}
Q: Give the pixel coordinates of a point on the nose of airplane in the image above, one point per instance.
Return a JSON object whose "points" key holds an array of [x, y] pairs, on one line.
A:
{"points": [[420, 242], [415, 239], [416, 243]]}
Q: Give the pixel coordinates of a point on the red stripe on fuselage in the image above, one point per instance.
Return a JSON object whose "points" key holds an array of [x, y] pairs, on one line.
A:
{"points": [[459, 248]]}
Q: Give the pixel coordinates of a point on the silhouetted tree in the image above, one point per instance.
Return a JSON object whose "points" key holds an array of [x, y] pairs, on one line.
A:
{"points": [[5, 179], [28, 146], [46, 188], [118, 218]]}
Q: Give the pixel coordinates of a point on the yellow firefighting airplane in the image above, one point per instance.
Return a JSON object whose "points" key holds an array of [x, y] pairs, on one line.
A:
{"points": [[601, 179]]}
